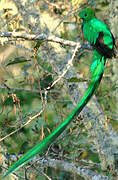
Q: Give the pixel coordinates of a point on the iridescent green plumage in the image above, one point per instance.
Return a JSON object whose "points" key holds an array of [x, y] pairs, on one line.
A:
{"points": [[97, 75], [97, 33], [92, 34]]}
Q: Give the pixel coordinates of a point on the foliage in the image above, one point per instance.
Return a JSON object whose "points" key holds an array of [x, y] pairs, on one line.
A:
{"points": [[25, 75]]}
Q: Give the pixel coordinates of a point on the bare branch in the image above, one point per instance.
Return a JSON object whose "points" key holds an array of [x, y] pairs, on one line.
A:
{"points": [[70, 63], [87, 174], [30, 119], [30, 90], [43, 37]]}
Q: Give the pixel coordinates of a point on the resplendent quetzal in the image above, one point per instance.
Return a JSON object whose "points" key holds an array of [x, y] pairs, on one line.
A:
{"points": [[102, 40]]}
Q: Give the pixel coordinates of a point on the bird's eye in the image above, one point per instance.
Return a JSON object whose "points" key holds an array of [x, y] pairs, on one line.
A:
{"points": [[85, 14]]}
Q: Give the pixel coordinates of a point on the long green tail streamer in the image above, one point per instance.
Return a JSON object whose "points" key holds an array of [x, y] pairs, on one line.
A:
{"points": [[97, 69]]}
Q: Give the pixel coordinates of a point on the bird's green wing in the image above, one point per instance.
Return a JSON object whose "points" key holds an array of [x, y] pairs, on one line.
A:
{"points": [[92, 30], [90, 33]]}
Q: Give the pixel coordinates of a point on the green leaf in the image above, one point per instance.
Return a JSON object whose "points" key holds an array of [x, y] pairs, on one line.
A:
{"points": [[17, 60], [38, 44], [74, 79]]}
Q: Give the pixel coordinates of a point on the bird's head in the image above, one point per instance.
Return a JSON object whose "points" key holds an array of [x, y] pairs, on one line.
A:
{"points": [[87, 14]]}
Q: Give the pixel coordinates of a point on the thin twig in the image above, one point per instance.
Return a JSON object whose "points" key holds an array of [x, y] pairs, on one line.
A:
{"points": [[30, 90], [70, 13], [30, 119], [70, 63], [42, 173], [13, 174]]}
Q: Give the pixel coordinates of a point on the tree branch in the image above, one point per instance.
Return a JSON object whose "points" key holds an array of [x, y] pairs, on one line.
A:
{"points": [[43, 37], [87, 174]]}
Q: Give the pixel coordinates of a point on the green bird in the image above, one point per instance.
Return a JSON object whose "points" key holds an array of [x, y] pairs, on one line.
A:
{"points": [[102, 40], [97, 33]]}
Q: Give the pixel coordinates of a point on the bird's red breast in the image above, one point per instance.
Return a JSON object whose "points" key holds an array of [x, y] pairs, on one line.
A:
{"points": [[82, 34]]}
